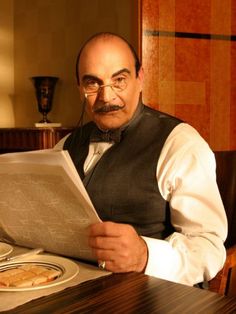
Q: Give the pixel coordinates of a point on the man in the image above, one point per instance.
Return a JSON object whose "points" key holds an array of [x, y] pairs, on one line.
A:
{"points": [[152, 183]]}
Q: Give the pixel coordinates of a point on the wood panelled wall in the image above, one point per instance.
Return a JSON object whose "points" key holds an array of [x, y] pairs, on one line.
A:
{"points": [[188, 50]]}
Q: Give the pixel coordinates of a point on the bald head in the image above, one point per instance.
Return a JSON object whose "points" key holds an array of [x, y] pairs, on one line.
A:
{"points": [[105, 38]]}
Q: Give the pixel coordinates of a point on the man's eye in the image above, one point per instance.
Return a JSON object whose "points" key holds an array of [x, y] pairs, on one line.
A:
{"points": [[119, 80], [91, 84]]}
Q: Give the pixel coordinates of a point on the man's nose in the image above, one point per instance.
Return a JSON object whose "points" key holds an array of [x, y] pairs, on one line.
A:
{"points": [[106, 93]]}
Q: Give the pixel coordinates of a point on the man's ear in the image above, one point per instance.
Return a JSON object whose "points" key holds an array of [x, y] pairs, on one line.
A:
{"points": [[140, 77]]}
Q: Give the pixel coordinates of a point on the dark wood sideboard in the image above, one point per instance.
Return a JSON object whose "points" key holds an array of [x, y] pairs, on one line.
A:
{"points": [[25, 139]]}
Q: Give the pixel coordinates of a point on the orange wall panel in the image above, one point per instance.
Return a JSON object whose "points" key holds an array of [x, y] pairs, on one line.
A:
{"points": [[189, 59], [192, 16], [233, 96]]}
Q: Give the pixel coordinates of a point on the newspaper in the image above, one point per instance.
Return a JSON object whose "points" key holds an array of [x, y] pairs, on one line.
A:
{"points": [[43, 203]]}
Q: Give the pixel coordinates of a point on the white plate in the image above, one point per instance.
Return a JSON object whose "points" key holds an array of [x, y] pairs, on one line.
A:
{"points": [[5, 249], [68, 269]]}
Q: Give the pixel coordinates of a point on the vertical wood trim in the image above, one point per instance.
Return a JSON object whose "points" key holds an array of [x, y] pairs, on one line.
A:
{"points": [[220, 77]]}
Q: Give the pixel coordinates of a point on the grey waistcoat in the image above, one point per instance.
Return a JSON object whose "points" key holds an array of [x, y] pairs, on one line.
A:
{"points": [[123, 185]]}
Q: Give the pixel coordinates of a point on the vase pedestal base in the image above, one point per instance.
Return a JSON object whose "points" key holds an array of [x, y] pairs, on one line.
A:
{"points": [[47, 125]]}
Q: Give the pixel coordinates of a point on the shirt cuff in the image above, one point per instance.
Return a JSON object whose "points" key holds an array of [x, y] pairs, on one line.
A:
{"points": [[163, 261]]}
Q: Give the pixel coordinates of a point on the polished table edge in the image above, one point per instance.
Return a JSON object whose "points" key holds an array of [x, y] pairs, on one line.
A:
{"points": [[130, 293]]}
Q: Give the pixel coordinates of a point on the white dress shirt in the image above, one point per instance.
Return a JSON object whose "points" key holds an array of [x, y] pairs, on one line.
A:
{"points": [[186, 178]]}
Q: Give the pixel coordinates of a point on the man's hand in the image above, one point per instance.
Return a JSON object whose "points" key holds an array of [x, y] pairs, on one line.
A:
{"points": [[119, 246]]}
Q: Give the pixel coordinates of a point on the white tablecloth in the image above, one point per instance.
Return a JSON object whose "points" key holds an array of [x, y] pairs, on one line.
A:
{"points": [[10, 300]]}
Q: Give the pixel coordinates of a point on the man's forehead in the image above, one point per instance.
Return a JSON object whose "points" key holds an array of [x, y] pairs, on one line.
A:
{"points": [[106, 63]]}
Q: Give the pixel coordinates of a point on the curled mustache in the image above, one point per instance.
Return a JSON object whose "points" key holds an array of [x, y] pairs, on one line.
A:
{"points": [[108, 108]]}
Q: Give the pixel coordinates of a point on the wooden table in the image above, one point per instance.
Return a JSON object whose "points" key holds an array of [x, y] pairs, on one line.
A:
{"points": [[130, 293]]}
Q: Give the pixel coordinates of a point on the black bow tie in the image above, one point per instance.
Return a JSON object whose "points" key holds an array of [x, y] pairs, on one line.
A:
{"points": [[105, 136]]}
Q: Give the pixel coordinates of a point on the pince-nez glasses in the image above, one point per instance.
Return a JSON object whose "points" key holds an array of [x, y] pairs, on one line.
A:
{"points": [[93, 87]]}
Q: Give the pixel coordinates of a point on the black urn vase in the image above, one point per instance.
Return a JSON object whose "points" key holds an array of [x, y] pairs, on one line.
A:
{"points": [[44, 89]]}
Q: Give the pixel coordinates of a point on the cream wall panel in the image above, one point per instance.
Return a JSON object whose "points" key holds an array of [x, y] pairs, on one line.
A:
{"points": [[6, 64], [48, 35]]}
